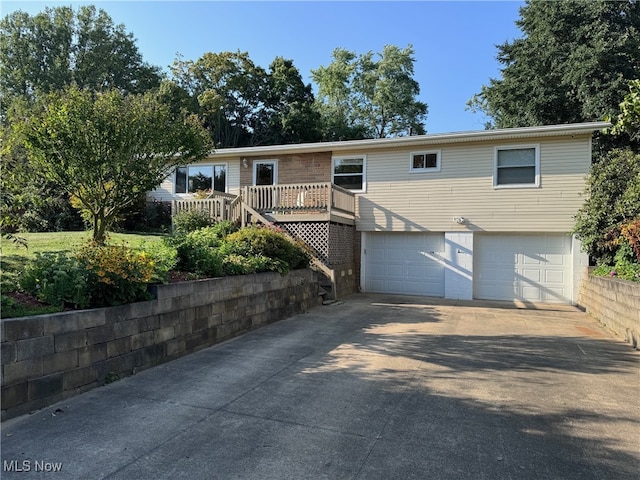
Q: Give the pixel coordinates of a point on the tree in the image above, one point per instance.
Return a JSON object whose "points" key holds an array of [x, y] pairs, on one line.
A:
{"points": [[288, 114], [572, 64], [106, 149], [612, 206], [45, 53], [613, 199], [367, 97], [628, 120], [241, 104], [59, 47], [228, 87]]}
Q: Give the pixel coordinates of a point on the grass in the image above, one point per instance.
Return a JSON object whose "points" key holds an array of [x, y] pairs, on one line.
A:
{"points": [[14, 256]]}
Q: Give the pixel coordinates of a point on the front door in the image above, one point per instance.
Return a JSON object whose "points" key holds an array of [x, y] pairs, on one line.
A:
{"points": [[265, 172]]}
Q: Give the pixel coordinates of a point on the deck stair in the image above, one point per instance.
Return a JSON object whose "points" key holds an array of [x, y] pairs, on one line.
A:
{"points": [[288, 207]]}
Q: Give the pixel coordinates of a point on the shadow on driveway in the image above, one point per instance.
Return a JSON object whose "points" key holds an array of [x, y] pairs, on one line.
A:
{"points": [[378, 387]]}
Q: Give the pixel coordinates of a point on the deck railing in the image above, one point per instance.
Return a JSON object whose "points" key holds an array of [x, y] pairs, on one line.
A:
{"points": [[219, 206], [288, 199], [299, 198]]}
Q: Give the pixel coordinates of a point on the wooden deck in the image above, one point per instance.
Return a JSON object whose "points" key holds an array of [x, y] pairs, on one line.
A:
{"points": [[309, 202]]}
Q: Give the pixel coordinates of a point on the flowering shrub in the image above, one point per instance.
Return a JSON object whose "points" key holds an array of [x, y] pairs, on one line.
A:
{"points": [[118, 274]]}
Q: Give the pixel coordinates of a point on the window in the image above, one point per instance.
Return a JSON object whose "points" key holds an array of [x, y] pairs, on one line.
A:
{"points": [[265, 172], [425, 161], [194, 178], [348, 172], [517, 166]]}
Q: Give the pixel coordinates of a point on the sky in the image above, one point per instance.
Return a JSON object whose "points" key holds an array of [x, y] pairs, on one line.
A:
{"points": [[454, 41]]}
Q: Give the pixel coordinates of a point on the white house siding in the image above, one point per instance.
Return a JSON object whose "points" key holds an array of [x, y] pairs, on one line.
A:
{"points": [[397, 200]]}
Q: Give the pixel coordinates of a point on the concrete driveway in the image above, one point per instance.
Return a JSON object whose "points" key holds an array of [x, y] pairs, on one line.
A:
{"points": [[378, 387]]}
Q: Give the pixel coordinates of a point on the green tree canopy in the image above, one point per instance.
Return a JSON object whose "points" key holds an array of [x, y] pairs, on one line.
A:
{"points": [[628, 120], [369, 96], [573, 63], [60, 47], [106, 149], [289, 114], [242, 104], [613, 199], [45, 53]]}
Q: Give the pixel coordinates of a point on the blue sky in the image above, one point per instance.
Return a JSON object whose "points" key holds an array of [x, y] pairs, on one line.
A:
{"points": [[454, 41]]}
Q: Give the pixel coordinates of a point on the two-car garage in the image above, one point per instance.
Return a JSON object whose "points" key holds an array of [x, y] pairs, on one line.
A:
{"points": [[524, 267]]}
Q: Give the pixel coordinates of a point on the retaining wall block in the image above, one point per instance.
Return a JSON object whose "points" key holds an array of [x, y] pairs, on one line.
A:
{"points": [[22, 328], [45, 386], [70, 340], [92, 354], [34, 347], [7, 352], [60, 362]]}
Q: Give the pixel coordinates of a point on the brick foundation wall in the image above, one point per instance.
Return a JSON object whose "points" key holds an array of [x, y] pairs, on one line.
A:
{"points": [[614, 303], [48, 358]]}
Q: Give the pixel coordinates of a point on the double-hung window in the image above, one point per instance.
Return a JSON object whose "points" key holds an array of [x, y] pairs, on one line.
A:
{"points": [[349, 173], [197, 178], [517, 166], [424, 162]]}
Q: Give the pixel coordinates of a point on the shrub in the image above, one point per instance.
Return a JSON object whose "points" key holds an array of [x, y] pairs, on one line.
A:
{"points": [[117, 274], [259, 241], [197, 250], [191, 220], [57, 279], [164, 257], [239, 265], [625, 266], [145, 216]]}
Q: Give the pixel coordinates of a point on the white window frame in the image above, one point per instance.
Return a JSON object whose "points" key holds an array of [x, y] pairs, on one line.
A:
{"points": [[535, 184], [213, 170], [435, 169], [273, 162], [351, 157]]}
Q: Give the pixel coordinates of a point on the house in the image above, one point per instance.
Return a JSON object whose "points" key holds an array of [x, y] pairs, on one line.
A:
{"points": [[468, 215]]}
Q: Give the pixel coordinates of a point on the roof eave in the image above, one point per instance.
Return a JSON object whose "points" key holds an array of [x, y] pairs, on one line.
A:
{"points": [[417, 140]]}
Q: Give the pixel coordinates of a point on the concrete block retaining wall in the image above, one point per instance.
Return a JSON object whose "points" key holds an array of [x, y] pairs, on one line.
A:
{"points": [[48, 358], [614, 303]]}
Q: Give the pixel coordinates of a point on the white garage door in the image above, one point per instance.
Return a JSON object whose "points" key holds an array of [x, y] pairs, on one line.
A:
{"points": [[531, 268], [404, 263]]}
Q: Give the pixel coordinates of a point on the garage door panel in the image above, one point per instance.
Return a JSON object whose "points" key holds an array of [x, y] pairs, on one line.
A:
{"points": [[527, 267], [555, 276], [529, 275], [402, 262], [531, 260]]}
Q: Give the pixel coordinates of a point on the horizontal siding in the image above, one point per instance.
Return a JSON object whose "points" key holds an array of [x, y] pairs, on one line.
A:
{"points": [[398, 200]]}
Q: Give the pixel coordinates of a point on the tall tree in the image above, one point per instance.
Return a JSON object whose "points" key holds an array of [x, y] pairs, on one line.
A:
{"points": [[106, 149], [289, 114], [45, 53], [60, 47], [370, 95], [228, 87], [242, 104], [572, 64]]}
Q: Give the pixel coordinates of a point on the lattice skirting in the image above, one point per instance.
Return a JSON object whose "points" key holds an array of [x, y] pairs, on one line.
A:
{"points": [[331, 242]]}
